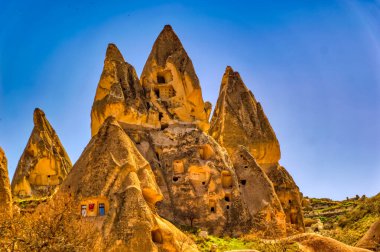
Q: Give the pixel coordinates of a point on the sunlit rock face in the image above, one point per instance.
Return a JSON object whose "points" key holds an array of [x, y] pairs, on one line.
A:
{"points": [[196, 177], [44, 163], [371, 239], [289, 195], [120, 94], [112, 169], [239, 119], [171, 83], [259, 194], [5, 187]]}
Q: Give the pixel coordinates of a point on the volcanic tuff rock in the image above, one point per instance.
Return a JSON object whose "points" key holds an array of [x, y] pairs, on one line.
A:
{"points": [[197, 179], [258, 192], [5, 188], [371, 239], [239, 119], [171, 83], [289, 195], [168, 121], [44, 163], [112, 169], [120, 94]]}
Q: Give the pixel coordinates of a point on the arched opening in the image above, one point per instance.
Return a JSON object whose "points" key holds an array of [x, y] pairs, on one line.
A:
{"points": [[212, 206], [243, 182], [227, 197], [160, 79], [157, 236], [175, 178]]}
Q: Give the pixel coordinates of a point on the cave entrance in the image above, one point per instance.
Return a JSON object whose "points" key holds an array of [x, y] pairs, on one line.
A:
{"points": [[157, 236]]}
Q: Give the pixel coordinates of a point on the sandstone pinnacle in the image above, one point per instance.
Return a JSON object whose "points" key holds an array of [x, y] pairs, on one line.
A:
{"points": [[171, 83], [5, 188], [44, 163]]}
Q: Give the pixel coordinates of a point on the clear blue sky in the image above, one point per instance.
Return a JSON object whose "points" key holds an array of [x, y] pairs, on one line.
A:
{"points": [[314, 66]]}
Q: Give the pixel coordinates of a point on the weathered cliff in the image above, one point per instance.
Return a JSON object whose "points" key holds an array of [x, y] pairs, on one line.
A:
{"points": [[118, 190]]}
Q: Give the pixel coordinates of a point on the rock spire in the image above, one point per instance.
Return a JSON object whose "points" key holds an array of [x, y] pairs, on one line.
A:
{"points": [[44, 164]]}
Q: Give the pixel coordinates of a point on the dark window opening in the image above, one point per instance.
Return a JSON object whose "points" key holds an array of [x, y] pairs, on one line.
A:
{"points": [[175, 179], [228, 207], [148, 105], [227, 199], [160, 79], [157, 236], [243, 181], [203, 183], [48, 176], [160, 115], [157, 92], [120, 80], [246, 166], [164, 126], [213, 209]]}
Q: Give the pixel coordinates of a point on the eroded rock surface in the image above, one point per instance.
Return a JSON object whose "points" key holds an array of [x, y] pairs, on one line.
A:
{"points": [[259, 194], [120, 94], [239, 119], [111, 173], [44, 163], [5, 187], [197, 179], [289, 195], [171, 83]]}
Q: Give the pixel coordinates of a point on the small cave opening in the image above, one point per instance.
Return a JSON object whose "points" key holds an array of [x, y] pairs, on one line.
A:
{"points": [[226, 198], [203, 182], [157, 92], [228, 206], [175, 178], [245, 166], [243, 182], [157, 236], [212, 209], [161, 79], [160, 115], [290, 201]]}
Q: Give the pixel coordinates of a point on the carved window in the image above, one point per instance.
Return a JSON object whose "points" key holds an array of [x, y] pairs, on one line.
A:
{"points": [[102, 210]]}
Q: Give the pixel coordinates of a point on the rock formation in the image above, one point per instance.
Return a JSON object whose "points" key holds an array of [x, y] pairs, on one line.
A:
{"points": [[167, 119], [258, 192], [196, 177], [371, 239], [5, 188], [44, 163], [239, 119], [120, 94], [117, 187], [171, 83]]}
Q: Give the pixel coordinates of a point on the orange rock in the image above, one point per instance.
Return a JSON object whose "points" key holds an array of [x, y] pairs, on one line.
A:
{"points": [[112, 171], [171, 83], [5, 188], [44, 163]]}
